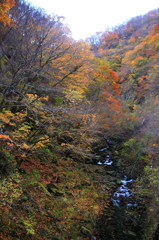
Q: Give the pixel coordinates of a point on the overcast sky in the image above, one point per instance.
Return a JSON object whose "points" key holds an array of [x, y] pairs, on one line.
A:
{"points": [[86, 17]]}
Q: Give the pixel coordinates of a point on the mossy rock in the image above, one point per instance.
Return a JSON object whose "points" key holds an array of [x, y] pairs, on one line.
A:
{"points": [[85, 231], [54, 190]]}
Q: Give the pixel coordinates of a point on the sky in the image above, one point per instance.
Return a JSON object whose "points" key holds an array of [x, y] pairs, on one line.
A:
{"points": [[86, 17]]}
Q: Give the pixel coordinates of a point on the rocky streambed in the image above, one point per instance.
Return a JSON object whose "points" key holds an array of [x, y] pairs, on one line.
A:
{"points": [[122, 194], [122, 220]]}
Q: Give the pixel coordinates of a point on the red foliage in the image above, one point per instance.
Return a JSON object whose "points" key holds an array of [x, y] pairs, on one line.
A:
{"points": [[113, 75], [116, 88]]}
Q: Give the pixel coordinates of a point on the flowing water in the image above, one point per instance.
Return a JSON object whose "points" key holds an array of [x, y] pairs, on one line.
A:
{"points": [[122, 195], [122, 220]]}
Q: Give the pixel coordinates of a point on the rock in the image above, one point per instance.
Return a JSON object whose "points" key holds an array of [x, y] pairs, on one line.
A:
{"points": [[53, 189], [69, 194], [14, 234], [50, 187], [100, 171], [79, 186], [22, 170], [110, 172], [86, 184], [43, 232]]}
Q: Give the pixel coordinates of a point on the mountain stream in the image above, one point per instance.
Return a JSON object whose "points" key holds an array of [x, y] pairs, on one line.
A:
{"points": [[122, 195]]}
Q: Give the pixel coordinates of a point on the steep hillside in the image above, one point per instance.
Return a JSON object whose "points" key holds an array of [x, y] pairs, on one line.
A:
{"points": [[76, 119], [132, 51]]}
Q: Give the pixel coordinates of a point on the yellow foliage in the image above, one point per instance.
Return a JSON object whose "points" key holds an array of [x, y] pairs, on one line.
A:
{"points": [[5, 116], [24, 146], [10, 190], [31, 97], [24, 128], [40, 145], [42, 142], [63, 144]]}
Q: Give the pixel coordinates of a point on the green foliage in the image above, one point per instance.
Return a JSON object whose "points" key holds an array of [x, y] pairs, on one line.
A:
{"points": [[24, 128], [2, 63], [141, 62], [28, 225], [130, 142], [24, 198], [44, 188], [157, 47], [135, 74], [1, 97], [58, 101], [47, 155]]}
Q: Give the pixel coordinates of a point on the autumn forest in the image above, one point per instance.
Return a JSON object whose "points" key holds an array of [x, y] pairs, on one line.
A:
{"points": [[64, 106]]}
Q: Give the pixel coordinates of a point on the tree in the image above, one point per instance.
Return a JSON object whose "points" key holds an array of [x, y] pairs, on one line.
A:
{"points": [[103, 93], [37, 56], [109, 39], [42, 68], [5, 5]]}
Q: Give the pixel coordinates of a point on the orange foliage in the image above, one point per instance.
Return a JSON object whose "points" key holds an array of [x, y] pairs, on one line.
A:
{"points": [[110, 36], [132, 40], [155, 29], [128, 28], [136, 59], [5, 5], [102, 51], [7, 140], [114, 103], [157, 100], [5, 137]]}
